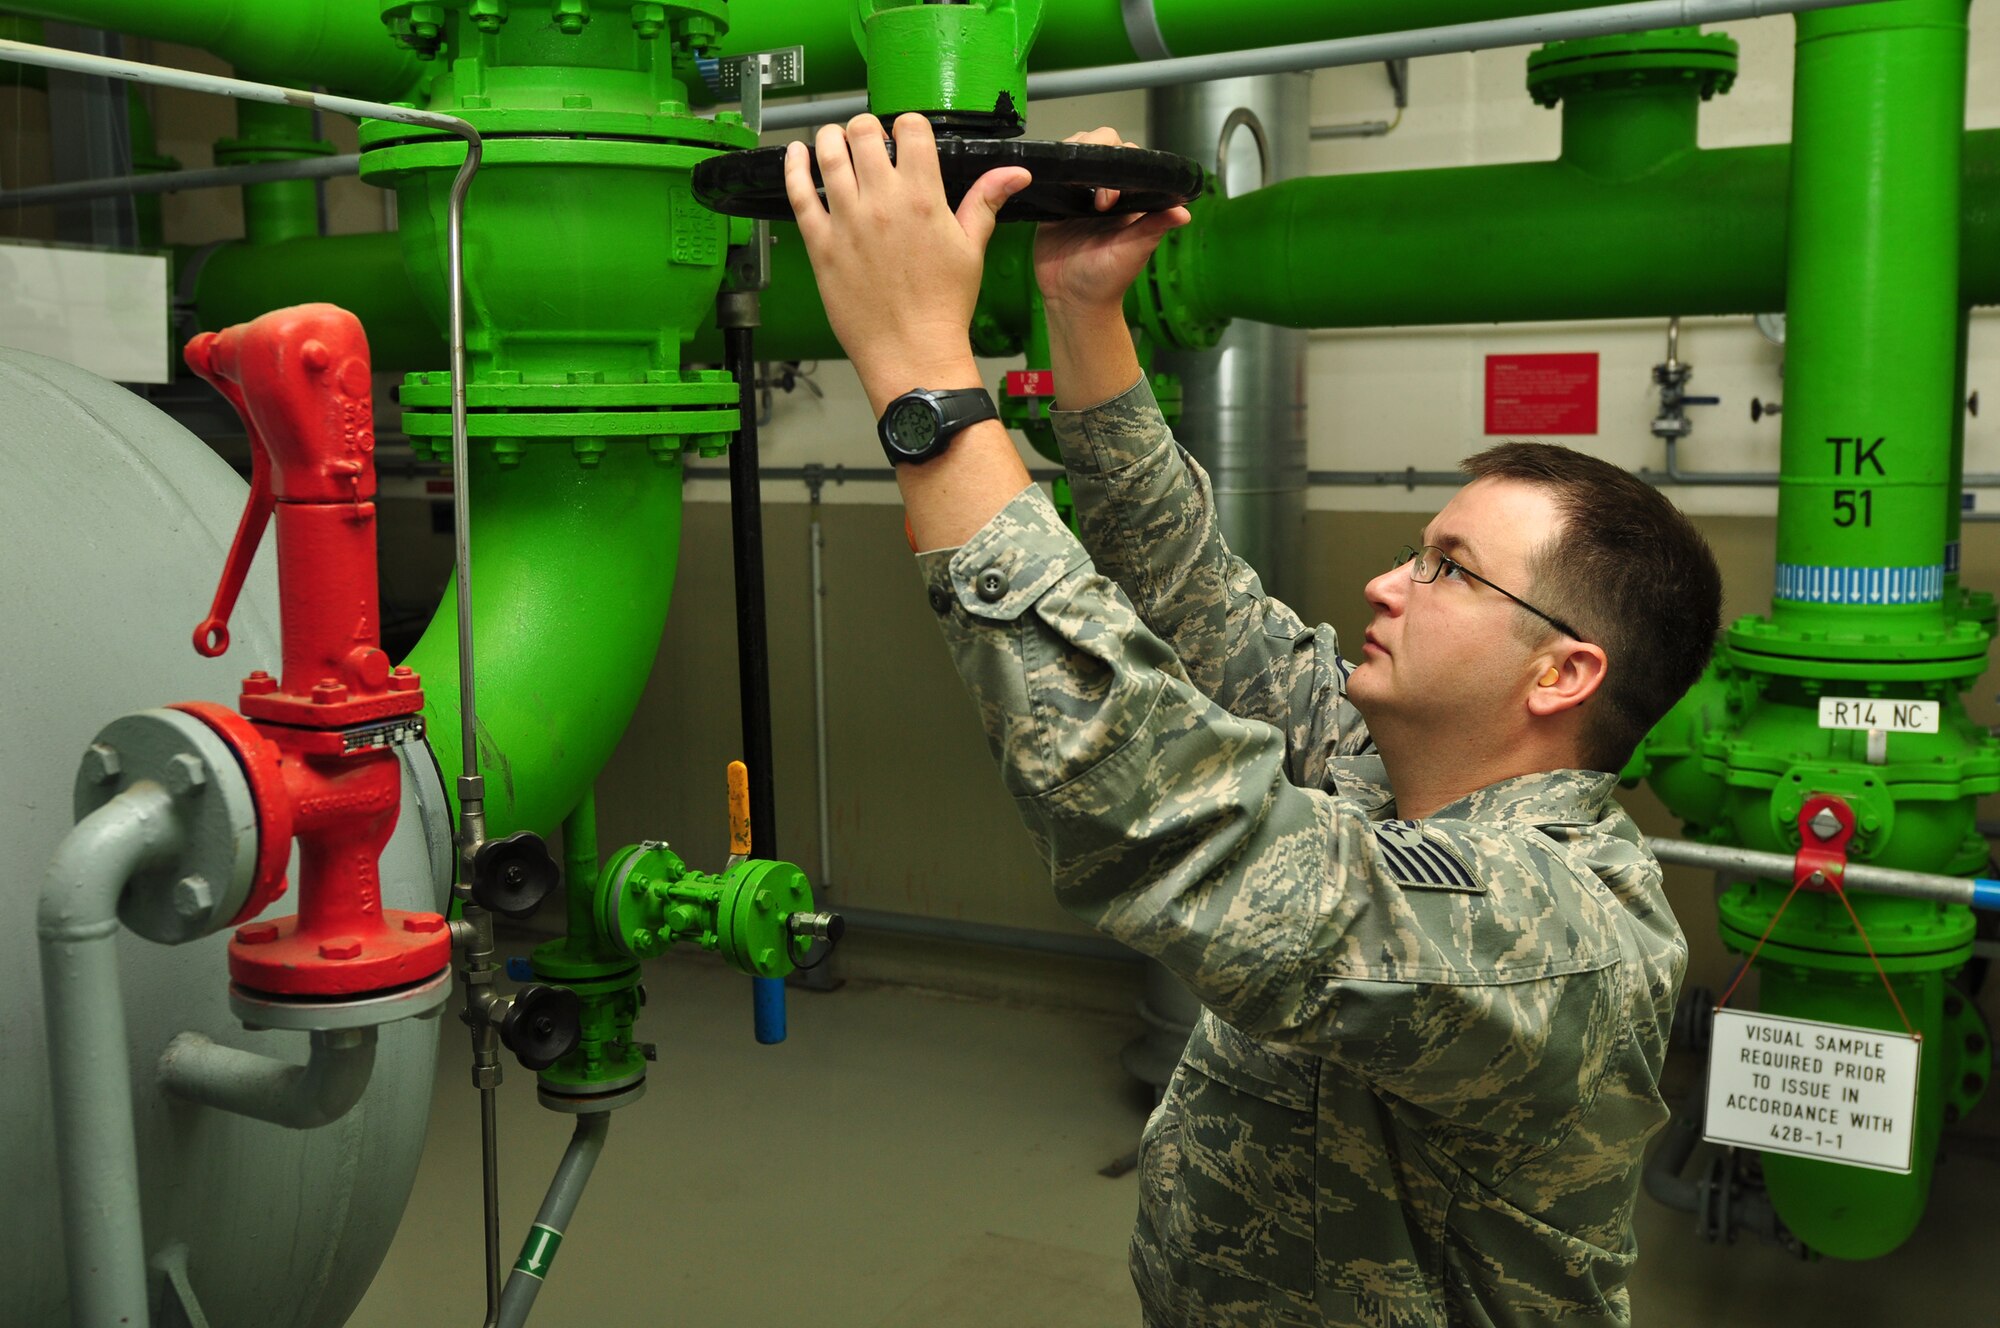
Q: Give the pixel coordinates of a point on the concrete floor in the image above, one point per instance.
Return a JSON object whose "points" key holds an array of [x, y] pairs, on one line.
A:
{"points": [[915, 1160]]}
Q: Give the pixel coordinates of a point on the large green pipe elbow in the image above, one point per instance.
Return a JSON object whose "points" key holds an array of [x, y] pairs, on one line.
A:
{"points": [[338, 44], [572, 573]]}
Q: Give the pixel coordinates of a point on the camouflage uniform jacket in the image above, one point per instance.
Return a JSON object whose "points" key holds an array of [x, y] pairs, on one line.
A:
{"points": [[1428, 1065]]}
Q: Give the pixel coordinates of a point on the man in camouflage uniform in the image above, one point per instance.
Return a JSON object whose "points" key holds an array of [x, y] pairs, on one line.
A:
{"points": [[1437, 964]]}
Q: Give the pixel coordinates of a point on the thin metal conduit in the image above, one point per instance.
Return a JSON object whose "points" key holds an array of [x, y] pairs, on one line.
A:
{"points": [[1977, 893], [169, 182], [1449, 40]]}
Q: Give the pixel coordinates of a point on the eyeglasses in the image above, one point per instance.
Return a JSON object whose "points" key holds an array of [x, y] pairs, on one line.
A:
{"points": [[1427, 562]]}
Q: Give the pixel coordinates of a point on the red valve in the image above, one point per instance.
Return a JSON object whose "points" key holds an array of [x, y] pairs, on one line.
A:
{"points": [[1826, 826], [318, 742]]}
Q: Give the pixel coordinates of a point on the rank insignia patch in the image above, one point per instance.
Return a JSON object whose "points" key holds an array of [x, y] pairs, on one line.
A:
{"points": [[1414, 860]]}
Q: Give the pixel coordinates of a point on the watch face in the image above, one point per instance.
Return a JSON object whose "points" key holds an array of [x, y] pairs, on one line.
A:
{"points": [[913, 425]]}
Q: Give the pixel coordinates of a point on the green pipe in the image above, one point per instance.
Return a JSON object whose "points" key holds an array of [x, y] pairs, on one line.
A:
{"points": [[1872, 312], [573, 569], [361, 273], [280, 209], [338, 44], [580, 864], [1078, 34]]}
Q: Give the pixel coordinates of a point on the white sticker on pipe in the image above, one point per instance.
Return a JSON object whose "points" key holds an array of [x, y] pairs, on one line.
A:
{"points": [[1874, 712], [1830, 1091]]}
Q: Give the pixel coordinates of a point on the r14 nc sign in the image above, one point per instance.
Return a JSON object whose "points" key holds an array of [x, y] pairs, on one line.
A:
{"points": [[1874, 712]]}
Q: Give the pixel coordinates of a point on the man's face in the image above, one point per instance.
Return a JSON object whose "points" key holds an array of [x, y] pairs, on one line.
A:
{"points": [[1441, 656]]}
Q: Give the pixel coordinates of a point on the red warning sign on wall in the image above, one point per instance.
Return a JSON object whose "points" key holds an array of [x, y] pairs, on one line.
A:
{"points": [[1541, 394]]}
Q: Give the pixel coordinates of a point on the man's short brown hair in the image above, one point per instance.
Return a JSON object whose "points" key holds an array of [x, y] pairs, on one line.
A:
{"points": [[1629, 571]]}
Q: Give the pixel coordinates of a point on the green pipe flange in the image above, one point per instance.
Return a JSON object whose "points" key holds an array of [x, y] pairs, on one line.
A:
{"points": [[384, 154], [1928, 651], [757, 897], [424, 26], [1162, 301], [1908, 935], [1662, 57], [504, 389], [1968, 1045]]}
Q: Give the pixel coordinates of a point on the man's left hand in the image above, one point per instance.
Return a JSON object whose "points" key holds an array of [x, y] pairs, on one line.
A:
{"points": [[899, 271]]}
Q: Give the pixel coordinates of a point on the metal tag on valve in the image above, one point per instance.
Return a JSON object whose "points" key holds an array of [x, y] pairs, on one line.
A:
{"points": [[1828, 1091], [390, 733], [1878, 712]]}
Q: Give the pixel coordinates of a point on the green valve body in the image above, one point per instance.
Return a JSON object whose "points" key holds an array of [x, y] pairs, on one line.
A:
{"points": [[964, 65], [649, 900], [588, 262], [1863, 608]]}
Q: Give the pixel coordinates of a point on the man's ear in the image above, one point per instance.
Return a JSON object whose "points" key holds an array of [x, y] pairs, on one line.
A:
{"points": [[1566, 677]]}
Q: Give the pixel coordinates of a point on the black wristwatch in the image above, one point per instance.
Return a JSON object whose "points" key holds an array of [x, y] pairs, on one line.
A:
{"points": [[919, 425]]}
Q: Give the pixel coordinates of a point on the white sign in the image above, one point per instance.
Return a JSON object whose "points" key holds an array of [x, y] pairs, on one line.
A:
{"points": [[1829, 1091], [1848, 712], [105, 312]]}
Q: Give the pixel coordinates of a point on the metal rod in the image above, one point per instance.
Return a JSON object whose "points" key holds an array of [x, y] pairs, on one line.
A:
{"points": [[524, 1283], [1975, 893], [90, 1079], [1451, 39], [1355, 129], [961, 932], [489, 1165], [169, 182], [298, 1097]]}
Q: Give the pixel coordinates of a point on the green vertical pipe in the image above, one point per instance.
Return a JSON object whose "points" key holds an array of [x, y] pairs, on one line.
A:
{"points": [[580, 864], [1622, 134], [572, 573], [338, 44], [279, 209], [1084, 33], [1872, 317]]}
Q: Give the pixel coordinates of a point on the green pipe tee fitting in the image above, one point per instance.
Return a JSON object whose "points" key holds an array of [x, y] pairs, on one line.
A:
{"points": [[964, 65]]}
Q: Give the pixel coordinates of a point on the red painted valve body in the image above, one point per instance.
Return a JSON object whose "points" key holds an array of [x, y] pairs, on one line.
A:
{"points": [[299, 378]]}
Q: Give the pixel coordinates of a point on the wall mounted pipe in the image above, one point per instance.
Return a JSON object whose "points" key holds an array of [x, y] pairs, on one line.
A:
{"points": [[298, 1097], [89, 1075], [338, 44], [171, 182], [1974, 893], [517, 1299]]}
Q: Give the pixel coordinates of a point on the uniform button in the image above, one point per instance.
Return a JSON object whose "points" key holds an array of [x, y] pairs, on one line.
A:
{"points": [[992, 584], [940, 599]]}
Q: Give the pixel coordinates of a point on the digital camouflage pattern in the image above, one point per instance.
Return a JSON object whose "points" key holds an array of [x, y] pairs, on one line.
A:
{"points": [[1428, 1066]]}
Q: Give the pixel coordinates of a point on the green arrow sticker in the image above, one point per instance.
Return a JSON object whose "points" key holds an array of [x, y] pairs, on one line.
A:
{"points": [[539, 1252]]}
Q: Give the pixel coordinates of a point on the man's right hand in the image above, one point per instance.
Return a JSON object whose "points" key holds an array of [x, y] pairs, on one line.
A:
{"points": [[1085, 266]]}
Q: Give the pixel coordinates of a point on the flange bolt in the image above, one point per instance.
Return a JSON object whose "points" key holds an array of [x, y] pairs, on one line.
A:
{"points": [[1826, 825]]}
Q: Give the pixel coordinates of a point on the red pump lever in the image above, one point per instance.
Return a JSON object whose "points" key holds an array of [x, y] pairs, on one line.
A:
{"points": [[211, 638]]}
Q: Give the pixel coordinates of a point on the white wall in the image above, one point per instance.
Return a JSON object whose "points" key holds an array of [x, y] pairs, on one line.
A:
{"points": [[1414, 396]]}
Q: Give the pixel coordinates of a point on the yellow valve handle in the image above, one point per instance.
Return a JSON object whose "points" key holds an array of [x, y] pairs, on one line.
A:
{"points": [[739, 810]]}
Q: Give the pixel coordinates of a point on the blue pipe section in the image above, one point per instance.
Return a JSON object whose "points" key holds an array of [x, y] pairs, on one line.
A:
{"points": [[767, 1001], [1986, 895]]}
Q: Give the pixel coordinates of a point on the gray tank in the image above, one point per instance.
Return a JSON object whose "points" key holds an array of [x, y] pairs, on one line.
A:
{"points": [[115, 522]]}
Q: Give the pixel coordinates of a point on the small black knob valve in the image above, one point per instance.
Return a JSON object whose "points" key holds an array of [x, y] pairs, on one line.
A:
{"points": [[543, 1025], [512, 876]]}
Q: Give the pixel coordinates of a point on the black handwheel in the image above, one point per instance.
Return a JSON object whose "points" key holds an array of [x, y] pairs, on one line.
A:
{"points": [[752, 183], [543, 1025], [512, 876]]}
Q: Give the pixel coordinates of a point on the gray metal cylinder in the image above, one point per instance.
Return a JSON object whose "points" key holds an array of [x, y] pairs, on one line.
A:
{"points": [[116, 522], [1243, 413]]}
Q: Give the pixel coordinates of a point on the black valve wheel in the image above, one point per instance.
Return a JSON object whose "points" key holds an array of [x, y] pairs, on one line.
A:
{"points": [[752, 183], [543, 1025], [512, 876]]}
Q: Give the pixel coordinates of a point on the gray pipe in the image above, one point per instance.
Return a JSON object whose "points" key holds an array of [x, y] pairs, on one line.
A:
{"points": [[169, 182], [558, 1206], [298, 1097], [957, 931], [1376, 48], [1981, 894], [97, 1161]]}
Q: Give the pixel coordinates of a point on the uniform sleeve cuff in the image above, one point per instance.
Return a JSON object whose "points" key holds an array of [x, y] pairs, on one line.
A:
{"points": [[1113, 434], [1007, 565]]}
